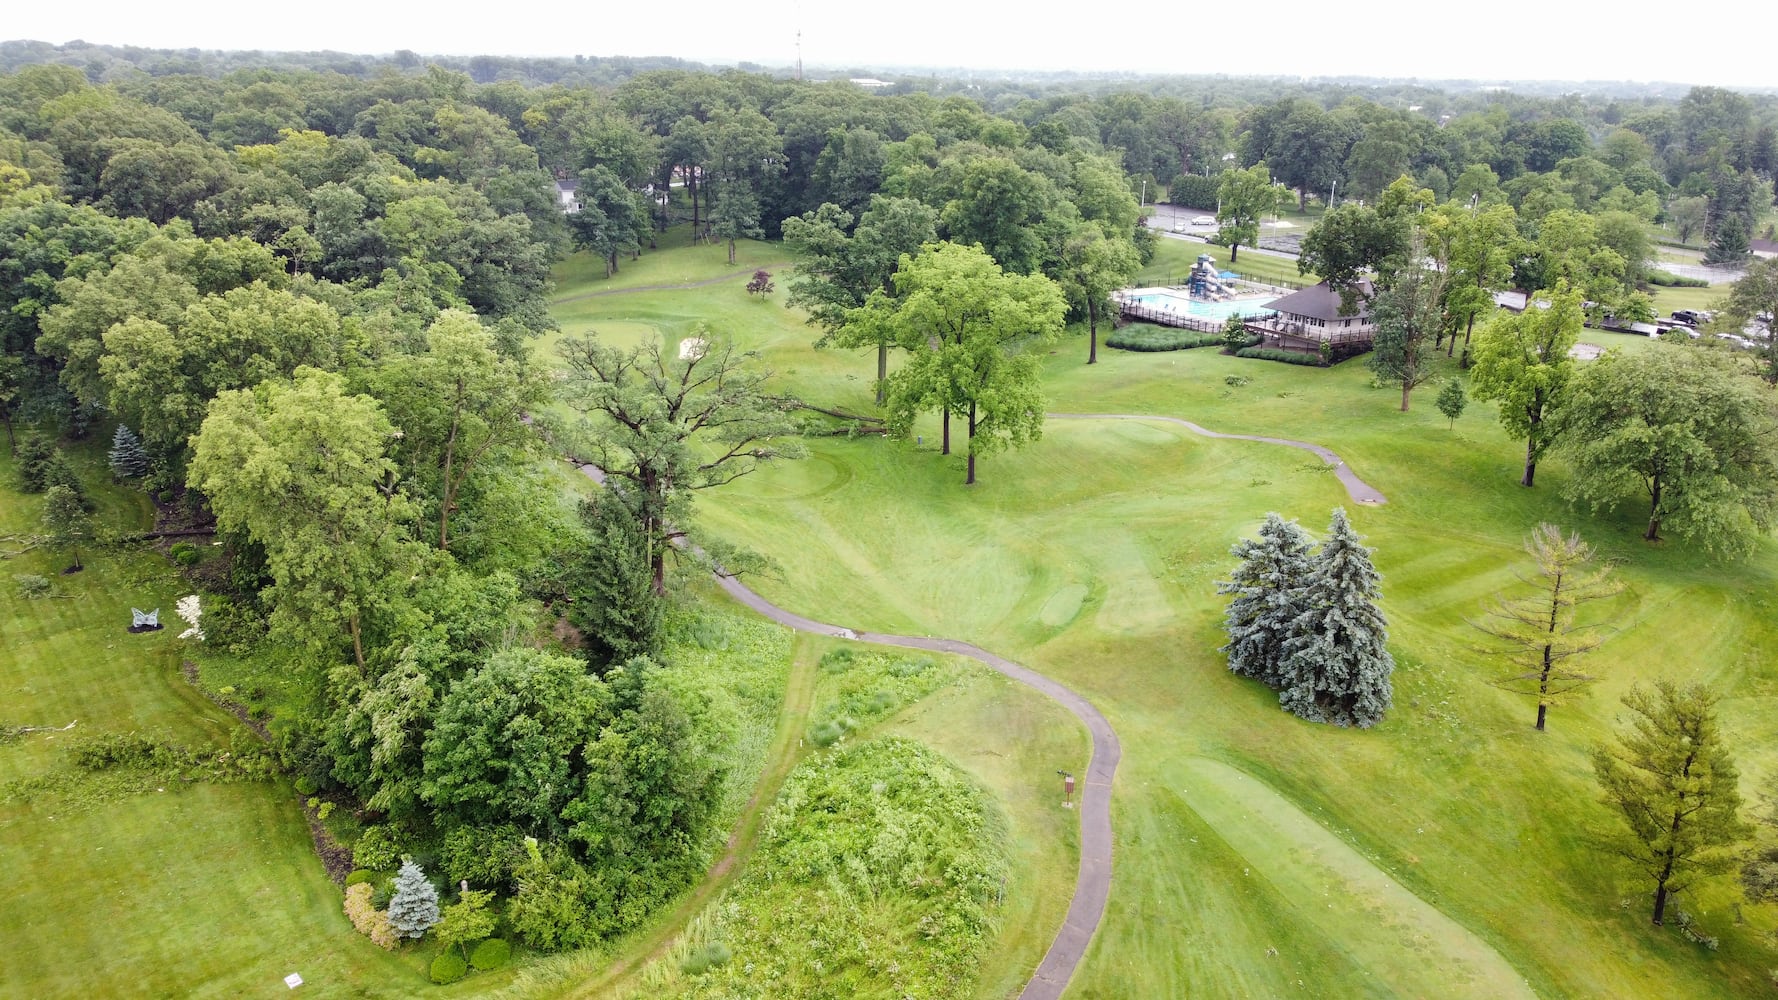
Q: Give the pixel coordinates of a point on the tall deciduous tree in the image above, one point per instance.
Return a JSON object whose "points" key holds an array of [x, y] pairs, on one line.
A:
{"points": [[1336, 665], [969, 325], [612, 219], [1672, 782], [666, 427], [508, 737], [1246, 196], [1539, 632], [457, 402], [1481, 246], [304, 468], [1687, 216], [1349, 244], [836, 273], [1265, 586], [1408, 314], [1093, 266], [1685, 428], [1753, 295], [1522, 361]]}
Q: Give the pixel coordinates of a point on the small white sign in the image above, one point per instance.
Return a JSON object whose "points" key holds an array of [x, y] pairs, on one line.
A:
{"points": [[293, 980]]}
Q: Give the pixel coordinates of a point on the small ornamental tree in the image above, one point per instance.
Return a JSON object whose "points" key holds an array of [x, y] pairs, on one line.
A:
{"points": [[129, 460], [413, 909], [1265, 586], [1451, 401], [465, 921], [761, 283], [66, 522], [1537, 632], [1336, 666]]}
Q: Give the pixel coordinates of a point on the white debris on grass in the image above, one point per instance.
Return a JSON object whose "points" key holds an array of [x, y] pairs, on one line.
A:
{"points": [[691, 348], [188, 609]]}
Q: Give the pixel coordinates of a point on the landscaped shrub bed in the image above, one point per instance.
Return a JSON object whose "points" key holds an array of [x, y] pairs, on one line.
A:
{"points": [[1278, 354], [1667, 279], [1161, 338]]}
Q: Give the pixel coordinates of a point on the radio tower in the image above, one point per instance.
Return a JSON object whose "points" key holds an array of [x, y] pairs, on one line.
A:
{"points": [[799, 41]]}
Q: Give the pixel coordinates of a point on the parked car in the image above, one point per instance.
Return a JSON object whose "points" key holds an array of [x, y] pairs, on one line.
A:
{"points": [[1204, 220], [1694, 317]]}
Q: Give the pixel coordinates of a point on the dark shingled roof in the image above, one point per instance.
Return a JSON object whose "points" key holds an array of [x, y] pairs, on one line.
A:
{"points": [[1321, 302]]}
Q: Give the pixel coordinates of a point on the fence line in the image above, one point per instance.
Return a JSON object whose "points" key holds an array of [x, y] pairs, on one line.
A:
{"points": [[1168, 317]]}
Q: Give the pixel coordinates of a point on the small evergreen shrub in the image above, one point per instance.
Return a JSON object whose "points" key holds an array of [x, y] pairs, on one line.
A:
{"points": [[448, 967], [369, 921], [184, 553], [305, 786], [490, 954], [360, 876]]}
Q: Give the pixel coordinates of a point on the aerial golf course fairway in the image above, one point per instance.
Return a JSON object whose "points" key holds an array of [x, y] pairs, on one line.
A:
{"points": [[1441, 852]]}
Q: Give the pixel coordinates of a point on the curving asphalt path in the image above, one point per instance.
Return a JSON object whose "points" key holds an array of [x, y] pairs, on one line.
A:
{"points": [[1092, 886], [1356, 488]]}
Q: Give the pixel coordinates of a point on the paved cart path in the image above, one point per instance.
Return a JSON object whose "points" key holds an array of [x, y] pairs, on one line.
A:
{"points": [[1092, 886]]}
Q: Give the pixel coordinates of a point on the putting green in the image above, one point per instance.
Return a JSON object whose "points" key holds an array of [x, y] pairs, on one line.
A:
{"points": [[1409, 945]]}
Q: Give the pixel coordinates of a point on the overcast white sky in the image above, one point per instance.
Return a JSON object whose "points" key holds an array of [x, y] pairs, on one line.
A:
{"points": [[1503, 39]]}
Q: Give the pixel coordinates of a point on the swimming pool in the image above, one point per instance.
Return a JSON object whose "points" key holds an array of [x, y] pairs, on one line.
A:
{"points": [[1200, 308]]}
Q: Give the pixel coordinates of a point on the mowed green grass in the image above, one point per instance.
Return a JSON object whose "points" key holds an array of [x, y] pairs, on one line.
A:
{"points": [[1093, 556], [198, 890]]}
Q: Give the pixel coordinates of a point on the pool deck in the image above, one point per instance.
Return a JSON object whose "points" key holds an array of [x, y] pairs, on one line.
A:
{"points": [[1162, 315]]}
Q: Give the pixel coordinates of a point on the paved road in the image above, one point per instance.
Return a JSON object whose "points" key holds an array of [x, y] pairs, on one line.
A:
{"points": [[1092, 885]]}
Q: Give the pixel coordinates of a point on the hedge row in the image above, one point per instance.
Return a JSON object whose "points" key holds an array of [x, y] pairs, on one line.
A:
{"points": [[1667, 279], [1276, 354], [1161, 338]]}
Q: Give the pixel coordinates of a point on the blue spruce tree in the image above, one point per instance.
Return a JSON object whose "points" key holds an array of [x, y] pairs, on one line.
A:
{"points": [[129, 460], [1265, 584], [1336, 667], [413, 908]]}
